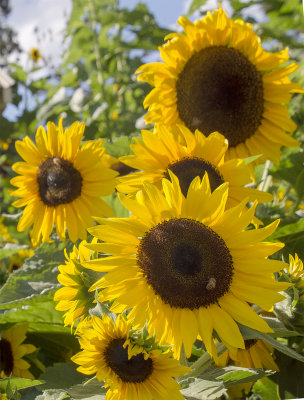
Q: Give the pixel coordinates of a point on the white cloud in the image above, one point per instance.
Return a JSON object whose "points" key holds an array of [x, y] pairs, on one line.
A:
{"points": [[49, 17]]}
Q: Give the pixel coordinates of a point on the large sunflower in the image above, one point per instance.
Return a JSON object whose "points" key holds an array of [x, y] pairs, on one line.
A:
{"points": [[186, 266], [74, 297], [12, 352], [159, 152], [130, 372], [61, 182], [217, 77]]}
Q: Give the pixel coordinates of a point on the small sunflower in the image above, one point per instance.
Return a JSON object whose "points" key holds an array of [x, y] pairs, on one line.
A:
{"points": [[35, 54], [257, 354], [12, 352], [159, 152], [129, 372], [186, 266], [217, 77], [61, 182], [17, 259], [74, 297], [4, 234]]}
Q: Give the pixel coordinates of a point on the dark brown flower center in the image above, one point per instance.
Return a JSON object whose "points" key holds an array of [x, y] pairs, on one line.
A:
{"points": [[59, 182], [187, 169], [6, 357], [187, 264], [249, 343], [221, 90], [136, 369]]}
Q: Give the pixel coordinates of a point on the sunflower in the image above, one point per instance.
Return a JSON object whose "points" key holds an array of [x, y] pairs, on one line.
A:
{"points": [[17, 259], [11, 352], [74, 297], [186, 266], [35, 54], [257, 354], [130, 372], [61, 182], [295, 269], [217, 77], [159, 152], [4, 234]]}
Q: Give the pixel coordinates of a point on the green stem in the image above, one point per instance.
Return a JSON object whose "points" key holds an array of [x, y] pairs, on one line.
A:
{"points": [[203, 363], [300, 346], [100, 77], [266, 179]]}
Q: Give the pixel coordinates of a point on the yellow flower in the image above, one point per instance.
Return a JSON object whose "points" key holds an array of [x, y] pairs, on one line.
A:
{"points": [[61, 182], [4, 235], [217, 77], [74, 297], [130, 375], [17, 259], [5, 144], [186, 266], [35, 54], [295, 269], [12, 352], [257, 354], [159, 152], [115, 115]]}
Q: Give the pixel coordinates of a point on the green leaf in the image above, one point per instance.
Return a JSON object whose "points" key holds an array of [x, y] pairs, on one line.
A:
{"points": [[41, 316], [279, 327], [291, 317], [93, 390], [10, 249], [52, 394], [18, 383], [300, 185], [61, 376], [116, 205], [267, 389], [195, 5], [286, 231], [38, 274], [204, 389], [249, 333], [249, 160], [214, 381]]}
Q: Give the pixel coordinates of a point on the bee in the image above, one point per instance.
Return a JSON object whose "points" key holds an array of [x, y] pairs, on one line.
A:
{"points": [[211, 284]]}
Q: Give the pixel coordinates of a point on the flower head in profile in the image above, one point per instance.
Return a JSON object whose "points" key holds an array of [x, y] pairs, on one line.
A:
{"points": [[257, 354], [186, 267], [4, 233], [12, 351], [159, 152], [17, 259], [35, 54], [74, 297], [130, 372], [61, 182], [295, 269], [216, 76]]}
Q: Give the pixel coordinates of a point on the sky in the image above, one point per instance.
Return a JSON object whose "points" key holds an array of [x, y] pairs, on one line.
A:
{"points": [[49, 18]]}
